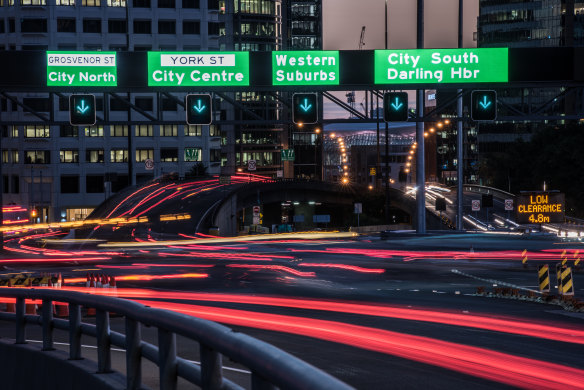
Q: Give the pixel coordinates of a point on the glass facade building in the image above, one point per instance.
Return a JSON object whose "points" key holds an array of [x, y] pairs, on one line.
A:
{"points": [[65, 171]]}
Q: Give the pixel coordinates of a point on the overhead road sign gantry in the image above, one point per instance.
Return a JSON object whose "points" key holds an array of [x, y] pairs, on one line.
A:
{"points": [[45, 71], [395, 106], [82, 110], [199, 109], [304, 108]]}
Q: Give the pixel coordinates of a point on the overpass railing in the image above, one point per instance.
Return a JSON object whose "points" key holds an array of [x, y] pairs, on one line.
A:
{"points": [[488, 190], [270, 367]]}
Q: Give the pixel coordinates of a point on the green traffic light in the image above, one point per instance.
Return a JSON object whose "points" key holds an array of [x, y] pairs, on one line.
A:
{"points": [[484, 105], [395, 107], [304, 108], [199, 109], [82, 110]]}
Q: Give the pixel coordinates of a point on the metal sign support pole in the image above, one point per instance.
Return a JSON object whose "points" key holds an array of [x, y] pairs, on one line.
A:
{"points": [[420, 160], [459, 139]]}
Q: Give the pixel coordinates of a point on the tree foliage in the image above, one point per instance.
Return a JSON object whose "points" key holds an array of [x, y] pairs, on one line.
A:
{"points": [[552, 156], [197, 170]]}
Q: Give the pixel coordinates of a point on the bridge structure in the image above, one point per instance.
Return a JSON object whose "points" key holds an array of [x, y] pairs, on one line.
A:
{"points": [[201, 206]]}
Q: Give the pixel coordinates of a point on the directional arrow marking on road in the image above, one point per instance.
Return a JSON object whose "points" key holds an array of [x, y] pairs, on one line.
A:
{"points": [[199, 108], [305, 107], [83, 108], [395, 105], [485, 103]]}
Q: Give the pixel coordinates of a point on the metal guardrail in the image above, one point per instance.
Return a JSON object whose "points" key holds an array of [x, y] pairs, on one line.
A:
{"points": [[271, 367], [487, 190]]}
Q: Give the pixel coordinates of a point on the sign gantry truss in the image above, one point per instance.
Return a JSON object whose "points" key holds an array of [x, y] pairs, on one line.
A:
{"points": [[172, 75]]}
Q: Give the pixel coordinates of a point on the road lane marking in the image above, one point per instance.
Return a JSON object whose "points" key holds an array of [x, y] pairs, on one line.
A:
{"points": [[123, 350]]}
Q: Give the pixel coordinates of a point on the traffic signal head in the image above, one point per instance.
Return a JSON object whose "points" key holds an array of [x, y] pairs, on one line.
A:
{"points": [[199, 110], [304, 108], [483, 105], [395, 107], [82, 110]]}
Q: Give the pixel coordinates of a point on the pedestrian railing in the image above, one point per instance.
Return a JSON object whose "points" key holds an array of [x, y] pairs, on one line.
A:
{"points": [[270, 367]]}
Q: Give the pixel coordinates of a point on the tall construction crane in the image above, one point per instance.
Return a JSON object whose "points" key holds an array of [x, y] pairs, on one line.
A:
{"points": [[351, 95], [362, 38]]}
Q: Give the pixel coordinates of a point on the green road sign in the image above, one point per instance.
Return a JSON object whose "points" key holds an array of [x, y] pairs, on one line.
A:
{"points": [[395, 107], [82, 110], [224, 179], [304, 108], [81, 69], [483, 105], [441, 66], [287, 154], [305, 67], [199, 110], [180, 69], [192, 154]]}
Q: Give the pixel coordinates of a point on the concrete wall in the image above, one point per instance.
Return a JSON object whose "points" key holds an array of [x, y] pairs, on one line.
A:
{"points": [[25, 367]]}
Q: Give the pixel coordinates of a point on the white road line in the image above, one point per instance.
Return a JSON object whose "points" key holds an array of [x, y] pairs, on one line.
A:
{"points": [[123, 350]]}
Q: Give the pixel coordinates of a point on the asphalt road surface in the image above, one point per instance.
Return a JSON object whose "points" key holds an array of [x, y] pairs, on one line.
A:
{"points": [[377, 313]]}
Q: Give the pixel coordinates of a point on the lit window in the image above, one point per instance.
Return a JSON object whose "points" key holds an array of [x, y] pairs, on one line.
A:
{"points": [[119, 155], [144, 154]]}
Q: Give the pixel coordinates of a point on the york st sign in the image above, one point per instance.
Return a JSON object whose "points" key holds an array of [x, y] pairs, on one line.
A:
{"points": [[181, 69], [78, 69], [441, 66]]}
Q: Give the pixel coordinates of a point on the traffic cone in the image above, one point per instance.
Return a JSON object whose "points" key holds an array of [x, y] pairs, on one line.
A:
{"points": [[88, 281], [31, 308], [10, 307], [50, 283], [97, 281], [90, 312], [105, 281], [112, 282], [62, 309], [91, 282]]}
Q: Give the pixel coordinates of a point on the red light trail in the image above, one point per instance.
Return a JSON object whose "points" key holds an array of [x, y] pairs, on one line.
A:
{"points": [[479, 362], [345, 267]]}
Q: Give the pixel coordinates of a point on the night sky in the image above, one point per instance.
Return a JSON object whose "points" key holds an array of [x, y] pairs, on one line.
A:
{"points": [[343, 20]]}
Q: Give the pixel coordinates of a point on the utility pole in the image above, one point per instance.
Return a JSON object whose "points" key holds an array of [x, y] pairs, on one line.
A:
{"points": [[420, 158]]}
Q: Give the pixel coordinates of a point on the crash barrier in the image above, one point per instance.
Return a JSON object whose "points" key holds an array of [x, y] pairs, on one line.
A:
{"points": [[543, 272], [28, 280], [270, 367]]}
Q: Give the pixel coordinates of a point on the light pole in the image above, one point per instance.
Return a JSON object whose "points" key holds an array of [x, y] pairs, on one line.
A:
{"points": [[459, 138], [420, 163]]}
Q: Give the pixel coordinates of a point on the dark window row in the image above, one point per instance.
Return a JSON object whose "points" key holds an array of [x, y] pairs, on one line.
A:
{"points": [[114, 26]]}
